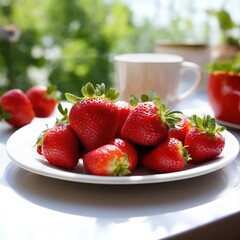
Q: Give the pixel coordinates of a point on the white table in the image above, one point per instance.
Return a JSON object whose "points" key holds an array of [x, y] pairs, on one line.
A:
{"points": [[37, 207]]}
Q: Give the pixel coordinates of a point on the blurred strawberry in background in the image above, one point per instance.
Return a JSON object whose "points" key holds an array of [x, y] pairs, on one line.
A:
{"points": [[44, 99], [16, 108]]}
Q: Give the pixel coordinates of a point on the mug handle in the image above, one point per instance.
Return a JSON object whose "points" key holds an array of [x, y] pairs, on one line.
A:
{"points": [[189, 66]]}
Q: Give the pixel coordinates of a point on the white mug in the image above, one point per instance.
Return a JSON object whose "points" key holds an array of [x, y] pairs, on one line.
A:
{"points": [[139, 73]]}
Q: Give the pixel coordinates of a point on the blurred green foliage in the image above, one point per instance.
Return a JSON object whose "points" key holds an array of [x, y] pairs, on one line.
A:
{"points": [[66, 43], [227, 25], [71, 42]]}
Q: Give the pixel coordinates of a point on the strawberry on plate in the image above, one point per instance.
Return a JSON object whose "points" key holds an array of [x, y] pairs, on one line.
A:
{"points": [[148, 123], [107, 160], [129, 150], [16, 108], [94, 117], [60, 144], [44, 99], [124, 109], [181, 128], [204, 140], [168, 156]]}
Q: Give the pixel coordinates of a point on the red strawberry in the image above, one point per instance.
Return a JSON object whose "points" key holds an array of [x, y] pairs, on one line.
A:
{"points": [[129, 149], [61, 146], [94, 117], [168, 156], [204, 141], [124, 109], [148, 123], [181, 129], [15, 108], [44, 99], [107, 160]]}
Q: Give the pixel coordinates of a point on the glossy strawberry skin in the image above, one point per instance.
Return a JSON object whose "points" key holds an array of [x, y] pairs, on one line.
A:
{"points": [[203, 147], [165, 158], [95, 121], [16, 103], [144, 126], [124, 109], [223, 91], [181, 129], [100, 161], [61, 146], [129, 149], [43, 105]]}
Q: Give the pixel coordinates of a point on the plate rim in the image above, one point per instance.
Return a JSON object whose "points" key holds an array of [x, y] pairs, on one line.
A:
{"points": [[56, 173]]}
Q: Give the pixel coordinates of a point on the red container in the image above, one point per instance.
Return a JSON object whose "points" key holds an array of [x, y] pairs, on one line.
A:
{"points": [[224, 96]]}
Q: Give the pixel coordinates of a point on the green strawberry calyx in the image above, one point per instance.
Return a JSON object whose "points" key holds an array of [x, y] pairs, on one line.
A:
{"points": [[151, 96], [41, 136], [120, 168], [63, 120], [65, 117], [89, 91], [185, 154], [171, 118], [206, 124]]}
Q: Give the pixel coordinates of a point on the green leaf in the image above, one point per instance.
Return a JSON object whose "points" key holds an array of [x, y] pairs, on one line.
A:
{"points": [[72, 98], [100, 89], [112, 95], [88, 90], [65, 118], [171, 118], [133, 100]]}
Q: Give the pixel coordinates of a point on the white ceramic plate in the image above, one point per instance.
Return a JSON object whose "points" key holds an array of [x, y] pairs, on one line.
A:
{"points": [[20, 150]]}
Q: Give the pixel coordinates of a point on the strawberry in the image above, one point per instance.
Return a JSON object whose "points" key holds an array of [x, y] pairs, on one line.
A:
{"points": [[60, 146], [148, 123], [44, 99], [204, 141], [16, 108], [181, 128], [124, 109], [94, 117], [129, 150], [107, 160], [168, 156]]}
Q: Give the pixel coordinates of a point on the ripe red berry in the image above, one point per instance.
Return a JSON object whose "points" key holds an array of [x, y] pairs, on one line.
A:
{"points": [[16, 108], [107, 160], [44, 99], [168, 156]]}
